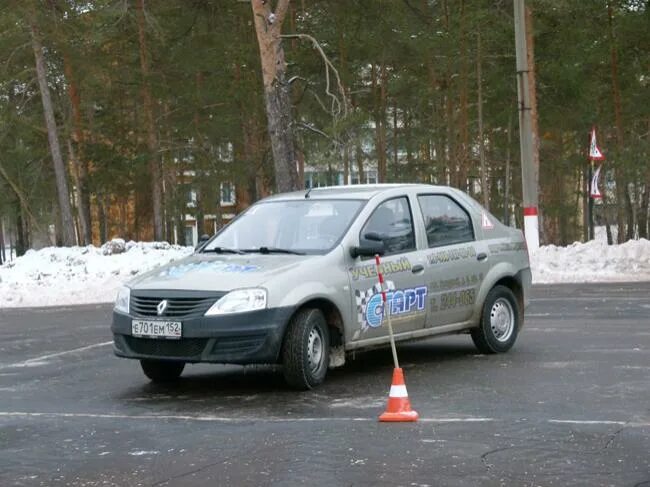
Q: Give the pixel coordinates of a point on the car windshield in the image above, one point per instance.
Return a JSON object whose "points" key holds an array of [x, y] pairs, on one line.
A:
{"points": [[295, 226]]}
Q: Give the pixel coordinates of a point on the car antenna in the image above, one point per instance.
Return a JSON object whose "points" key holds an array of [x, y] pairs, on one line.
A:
{"points": [[307, 193]]}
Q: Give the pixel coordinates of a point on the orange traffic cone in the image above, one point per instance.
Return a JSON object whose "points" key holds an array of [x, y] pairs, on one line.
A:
{"points": [[399, 406]]}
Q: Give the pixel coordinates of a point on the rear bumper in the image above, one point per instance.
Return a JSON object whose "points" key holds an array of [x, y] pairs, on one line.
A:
{"points": [[242, 338]]}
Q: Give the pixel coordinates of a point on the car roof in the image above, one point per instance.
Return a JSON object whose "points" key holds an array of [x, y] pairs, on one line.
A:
{"points": [[353, 192]]}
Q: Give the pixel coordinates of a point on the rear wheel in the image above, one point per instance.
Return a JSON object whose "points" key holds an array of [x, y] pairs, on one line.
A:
{"points": [[162, 371], [305, 352], [500, 322]]}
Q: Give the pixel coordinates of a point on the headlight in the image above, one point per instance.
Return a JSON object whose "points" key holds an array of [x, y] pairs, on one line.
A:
{"points": [[122, 300], [239, 301]]}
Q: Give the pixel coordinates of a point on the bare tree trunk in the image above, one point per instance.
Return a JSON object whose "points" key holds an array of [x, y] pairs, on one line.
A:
{"points": [[84, 228], [379, 88], [631, 211], [359, 158], [481, 142], [643, 212], [410, 162], [396, 169], [586, 181], [67, 222], [79, 163], [152, 142], [608, 227], [463, 122], [2, 241], [21, 234], [450, 169], [300, 156], [619, 175], [346, 161], [268, 27], [103, 218]]}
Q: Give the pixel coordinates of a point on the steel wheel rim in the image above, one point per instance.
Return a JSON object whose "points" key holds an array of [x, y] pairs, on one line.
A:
{"points": [[502, 320], [315, 349]]}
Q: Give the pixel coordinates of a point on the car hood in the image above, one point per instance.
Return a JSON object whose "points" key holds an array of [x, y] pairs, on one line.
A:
{"points": [[210, 272]]}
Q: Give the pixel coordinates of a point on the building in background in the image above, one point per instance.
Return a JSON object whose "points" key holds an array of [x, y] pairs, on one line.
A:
{"points": [[226, 210]]}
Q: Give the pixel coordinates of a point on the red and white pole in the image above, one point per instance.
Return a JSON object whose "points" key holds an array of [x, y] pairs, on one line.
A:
{"points": [[531, 227], [386, 311], [527, 144]]}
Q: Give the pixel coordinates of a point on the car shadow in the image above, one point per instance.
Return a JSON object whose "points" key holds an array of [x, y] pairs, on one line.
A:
{"points": [[238, 386]]}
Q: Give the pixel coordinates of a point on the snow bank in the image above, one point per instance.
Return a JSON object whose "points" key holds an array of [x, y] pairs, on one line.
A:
{"points": [[594, 261], [79, 275]]}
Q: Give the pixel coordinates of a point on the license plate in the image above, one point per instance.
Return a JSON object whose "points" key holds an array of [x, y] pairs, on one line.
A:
{"points": [[156, 328]]}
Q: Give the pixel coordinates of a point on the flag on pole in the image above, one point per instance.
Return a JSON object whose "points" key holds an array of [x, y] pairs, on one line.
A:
{"points": [[594, 192], [594, 151]]}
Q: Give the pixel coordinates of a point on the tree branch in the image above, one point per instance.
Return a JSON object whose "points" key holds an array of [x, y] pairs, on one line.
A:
{"points": [[21, 197], [314, 129], [337, 104], [280, 13]]}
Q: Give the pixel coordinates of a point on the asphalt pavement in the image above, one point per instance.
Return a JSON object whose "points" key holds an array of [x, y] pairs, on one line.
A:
{"points": [[569, 405]]}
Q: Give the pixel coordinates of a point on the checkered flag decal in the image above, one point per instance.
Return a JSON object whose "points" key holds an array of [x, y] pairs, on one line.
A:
{"points": [[362, 298]]}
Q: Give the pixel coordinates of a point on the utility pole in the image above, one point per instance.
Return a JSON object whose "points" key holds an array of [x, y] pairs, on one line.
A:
{"points": [[528, 174]]}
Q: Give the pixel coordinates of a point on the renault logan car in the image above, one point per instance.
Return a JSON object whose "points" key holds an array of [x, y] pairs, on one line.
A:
{"points": [[293, 281]]}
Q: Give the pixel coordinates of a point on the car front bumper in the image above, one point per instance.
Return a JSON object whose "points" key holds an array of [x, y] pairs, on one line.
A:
{"points": [[243, 338]]}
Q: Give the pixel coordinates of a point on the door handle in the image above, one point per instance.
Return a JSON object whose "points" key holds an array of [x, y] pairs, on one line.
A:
{"points": [[417, 268], [481, 257]]}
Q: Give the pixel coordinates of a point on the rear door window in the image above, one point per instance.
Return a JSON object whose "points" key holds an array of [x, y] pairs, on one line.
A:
{"points": [[445, 221]]}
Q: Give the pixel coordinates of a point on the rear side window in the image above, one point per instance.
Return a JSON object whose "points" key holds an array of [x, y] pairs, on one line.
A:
{"points": [[391, 221], [445, 221]]}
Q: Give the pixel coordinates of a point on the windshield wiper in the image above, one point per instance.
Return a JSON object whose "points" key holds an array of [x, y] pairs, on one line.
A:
{"points": [[274, 250], [223, 250]]}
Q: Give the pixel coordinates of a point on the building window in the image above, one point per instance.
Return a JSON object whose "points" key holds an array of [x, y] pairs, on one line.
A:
{"points": [[189, 235], [227, 194], [191, 198]]}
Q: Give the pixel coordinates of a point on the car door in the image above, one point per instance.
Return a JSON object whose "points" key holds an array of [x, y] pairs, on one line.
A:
{"points": [[456, 261], [402, 266]]}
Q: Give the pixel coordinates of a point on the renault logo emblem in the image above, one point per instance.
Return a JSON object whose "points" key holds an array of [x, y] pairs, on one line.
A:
{"points": [[162, 307]]}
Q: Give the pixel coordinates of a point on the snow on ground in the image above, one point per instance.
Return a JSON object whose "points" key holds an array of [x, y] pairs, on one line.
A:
{"points": [[80, 275], [594, 261]]}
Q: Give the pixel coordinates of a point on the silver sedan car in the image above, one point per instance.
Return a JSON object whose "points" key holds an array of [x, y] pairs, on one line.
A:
{"points": [[293, 281]]}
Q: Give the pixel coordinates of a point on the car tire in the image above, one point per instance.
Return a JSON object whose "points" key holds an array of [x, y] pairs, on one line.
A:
{"points": [[162, 371], [500, 322], [305, 351]]}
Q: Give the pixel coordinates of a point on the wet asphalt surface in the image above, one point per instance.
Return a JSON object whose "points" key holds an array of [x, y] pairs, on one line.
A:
{"points": [[569, 405]]}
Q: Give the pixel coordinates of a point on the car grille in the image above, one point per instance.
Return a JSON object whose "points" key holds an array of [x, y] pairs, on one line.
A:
{"points": [[177, 307], [185, 347]]}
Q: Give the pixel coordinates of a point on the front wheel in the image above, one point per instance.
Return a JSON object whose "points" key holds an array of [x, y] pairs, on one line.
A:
{"points": [[162, 371], [500, 322], [305, 352]]}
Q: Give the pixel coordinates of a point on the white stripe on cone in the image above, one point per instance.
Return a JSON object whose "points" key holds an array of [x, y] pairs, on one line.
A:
{"points": [[398, 391]]}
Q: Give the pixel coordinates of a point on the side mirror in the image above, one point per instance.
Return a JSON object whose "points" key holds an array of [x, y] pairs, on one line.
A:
{"points": [[204, 238], [369, 247]]}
